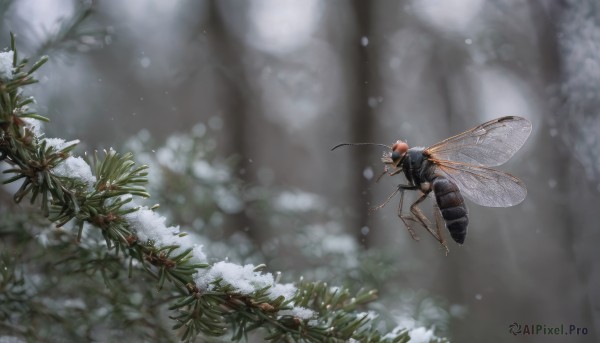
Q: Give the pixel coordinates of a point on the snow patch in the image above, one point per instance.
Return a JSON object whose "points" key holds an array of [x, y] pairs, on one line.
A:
{"points": [[6, 65], [243, 279], [150, 226], [300, 312], [75, 168], [59, 143]]}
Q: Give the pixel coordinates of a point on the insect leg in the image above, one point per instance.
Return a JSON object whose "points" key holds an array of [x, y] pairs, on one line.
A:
{"points": [[397, 171], [406, 217], [373, 209], [386, 171], [418, 214], [439, 224], [422, 219], [400, 188]]}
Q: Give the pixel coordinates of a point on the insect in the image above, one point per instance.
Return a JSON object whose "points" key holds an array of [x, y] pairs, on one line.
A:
{"points": [[457, 166]]}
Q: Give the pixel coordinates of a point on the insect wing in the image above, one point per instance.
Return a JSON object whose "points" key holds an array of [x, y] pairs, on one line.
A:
{"points": [[489, 144], [484, 186]]}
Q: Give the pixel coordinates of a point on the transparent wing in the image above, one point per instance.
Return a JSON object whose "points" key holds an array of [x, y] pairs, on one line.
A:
{"points": [[483, 186], [489, 144]]}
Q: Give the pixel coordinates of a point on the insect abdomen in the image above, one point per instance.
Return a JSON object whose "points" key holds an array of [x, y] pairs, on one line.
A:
{"points": [[452, 205]]}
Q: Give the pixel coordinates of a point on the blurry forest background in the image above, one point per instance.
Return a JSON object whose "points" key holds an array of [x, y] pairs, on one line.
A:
{"points": [[263, 89]]}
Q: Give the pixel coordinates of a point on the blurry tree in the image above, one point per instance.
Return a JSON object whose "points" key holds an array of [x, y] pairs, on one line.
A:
{"points": [[365, 84], [236, 110], [575, 101]]}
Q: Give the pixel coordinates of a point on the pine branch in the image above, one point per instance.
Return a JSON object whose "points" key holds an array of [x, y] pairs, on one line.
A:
{"points": [[212, 300], [68, 35]]}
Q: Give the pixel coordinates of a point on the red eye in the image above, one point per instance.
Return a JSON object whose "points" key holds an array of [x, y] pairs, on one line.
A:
{"points": [[400, 147]]}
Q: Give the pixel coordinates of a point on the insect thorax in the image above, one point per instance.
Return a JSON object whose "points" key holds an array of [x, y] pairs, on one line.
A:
{"points": [[417, 168]]}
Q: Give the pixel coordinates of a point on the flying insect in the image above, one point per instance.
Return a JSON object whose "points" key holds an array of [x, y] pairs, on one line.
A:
{"points": [[457, 166]]}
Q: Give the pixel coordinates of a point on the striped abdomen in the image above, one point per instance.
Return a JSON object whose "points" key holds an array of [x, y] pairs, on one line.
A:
{"points": [[452, 205]]}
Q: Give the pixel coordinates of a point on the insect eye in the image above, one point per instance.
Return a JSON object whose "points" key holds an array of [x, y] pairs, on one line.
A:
{"points": [[398, 150]]}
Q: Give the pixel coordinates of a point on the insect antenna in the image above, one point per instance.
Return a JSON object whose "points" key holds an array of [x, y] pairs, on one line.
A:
{"points": [[344, 144]]}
